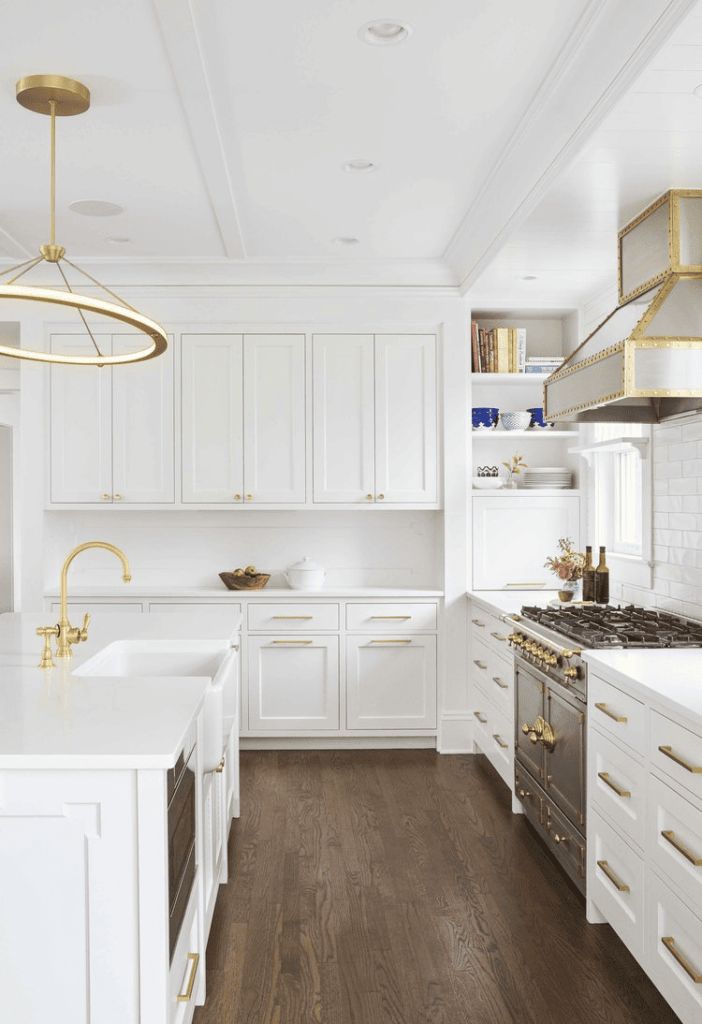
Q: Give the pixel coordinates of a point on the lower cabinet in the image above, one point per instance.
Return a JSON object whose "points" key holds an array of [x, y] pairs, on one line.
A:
{"points": [[293, 682], [391, 682], [491, 676]]}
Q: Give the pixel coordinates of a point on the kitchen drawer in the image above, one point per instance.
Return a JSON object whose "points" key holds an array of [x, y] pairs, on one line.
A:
{"points": [[480, 664], [77, 609], [500, 746], [293, 616], [617, 713], [615, 882], [675, 839], [484, 718], [501, 684], [523, 787], [681, 757], [569, 849], [488, 627], [674, 965], [390, 617], [617, 784], [185, 974], [195, 606]]}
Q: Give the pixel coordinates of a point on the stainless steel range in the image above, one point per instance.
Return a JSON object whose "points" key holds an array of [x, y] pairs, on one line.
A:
{"points": [[551, 708]]}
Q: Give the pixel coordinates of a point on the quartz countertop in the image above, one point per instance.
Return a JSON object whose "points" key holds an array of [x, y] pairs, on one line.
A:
{"points": [[508, 602], [51, 719]]}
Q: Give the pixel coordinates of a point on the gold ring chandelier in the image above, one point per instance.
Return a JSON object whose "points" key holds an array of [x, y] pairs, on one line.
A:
{"points": [[59, 96]]}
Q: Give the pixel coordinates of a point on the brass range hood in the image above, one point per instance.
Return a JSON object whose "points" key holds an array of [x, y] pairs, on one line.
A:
{"points": [[643, 363]]}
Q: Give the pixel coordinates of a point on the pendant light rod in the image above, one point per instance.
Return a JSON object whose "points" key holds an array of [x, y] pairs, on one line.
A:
{"points": [[52, 105]]}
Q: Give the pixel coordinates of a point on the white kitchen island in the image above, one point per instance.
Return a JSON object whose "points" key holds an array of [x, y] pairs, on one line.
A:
{"points": [[84, 836]]}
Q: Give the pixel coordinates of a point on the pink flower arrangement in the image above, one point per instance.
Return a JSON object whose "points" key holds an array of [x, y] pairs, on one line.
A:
{"points": [[568, 565]]}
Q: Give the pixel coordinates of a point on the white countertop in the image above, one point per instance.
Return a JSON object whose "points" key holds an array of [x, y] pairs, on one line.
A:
{"points": [[52, 719], [510, 601], [220, 592], [670, 677]]}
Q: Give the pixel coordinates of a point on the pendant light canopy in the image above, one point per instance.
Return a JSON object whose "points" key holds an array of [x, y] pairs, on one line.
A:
{"points": [[64, 97]]}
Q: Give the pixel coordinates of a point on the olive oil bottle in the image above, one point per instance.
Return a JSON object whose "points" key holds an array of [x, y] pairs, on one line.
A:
{"points": [[588, 575], [602, 580]]}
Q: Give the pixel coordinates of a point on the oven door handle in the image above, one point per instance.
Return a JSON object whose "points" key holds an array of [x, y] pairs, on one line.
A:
{"points": [[564, 652]]}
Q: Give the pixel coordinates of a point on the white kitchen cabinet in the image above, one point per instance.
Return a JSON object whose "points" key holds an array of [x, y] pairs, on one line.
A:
{"points": [[111, 428], [491, 676], [243, 419], [214, 840], [391, 682], [375, 419], [293, 682], [514, 534]]}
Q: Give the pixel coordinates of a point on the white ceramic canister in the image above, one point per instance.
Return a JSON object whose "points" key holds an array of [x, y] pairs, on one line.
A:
{"points": [[305, 575]]}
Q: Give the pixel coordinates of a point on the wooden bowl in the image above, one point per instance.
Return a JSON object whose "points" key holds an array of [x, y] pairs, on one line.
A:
{"points": [[234, 582]]}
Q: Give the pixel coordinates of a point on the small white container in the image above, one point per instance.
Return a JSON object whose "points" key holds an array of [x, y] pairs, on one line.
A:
{"points": [[305, 575]]}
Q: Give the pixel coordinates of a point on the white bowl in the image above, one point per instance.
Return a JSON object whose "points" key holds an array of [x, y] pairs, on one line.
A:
{"points": [[515, 420], [488, 483]]}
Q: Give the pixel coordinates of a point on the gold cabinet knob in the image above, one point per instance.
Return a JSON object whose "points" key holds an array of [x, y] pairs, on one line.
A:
{"points": [[381, 497], [117, 497], [237, 497], [369, 497], [249, 497], [105, 497]]}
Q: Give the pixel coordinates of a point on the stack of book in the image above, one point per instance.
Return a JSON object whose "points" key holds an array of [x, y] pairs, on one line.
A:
{"points": [[498, 349], [542, 364]]}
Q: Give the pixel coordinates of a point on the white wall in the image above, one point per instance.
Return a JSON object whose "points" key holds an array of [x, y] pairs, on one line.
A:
{"points": [[5, 518]]}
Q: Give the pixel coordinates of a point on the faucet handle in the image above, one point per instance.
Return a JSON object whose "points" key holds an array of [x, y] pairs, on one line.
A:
{"points": [[75, 634], [47, 632], [83, 631]]}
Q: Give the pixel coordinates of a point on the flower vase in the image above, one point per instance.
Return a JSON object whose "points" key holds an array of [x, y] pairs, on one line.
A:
{"points": [[569, 590], [510, 484]]}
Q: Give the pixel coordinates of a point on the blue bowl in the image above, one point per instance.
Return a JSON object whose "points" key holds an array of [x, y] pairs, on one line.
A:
{"points": [[537, 417], [484, 416]]}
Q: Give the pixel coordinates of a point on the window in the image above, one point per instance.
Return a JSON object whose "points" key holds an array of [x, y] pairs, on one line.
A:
{"points": [[619, 499]]}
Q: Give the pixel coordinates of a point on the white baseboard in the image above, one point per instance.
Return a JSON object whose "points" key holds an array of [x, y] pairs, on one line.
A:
{"points": [[456, 734]]}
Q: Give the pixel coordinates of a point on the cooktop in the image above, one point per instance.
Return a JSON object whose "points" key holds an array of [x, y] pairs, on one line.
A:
{"points": [[605, 626]]}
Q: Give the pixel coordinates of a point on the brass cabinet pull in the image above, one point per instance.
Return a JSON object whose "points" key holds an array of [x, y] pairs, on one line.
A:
{"points": [[249, 497], [391, 641], [292, 616], [117, 497], [669, 943], [606, 779], [291, 641], [502, 686], [237, 497], [369, 497], [480, 664], [220, 766], [477, 622], [610, 714], [560, 839], [105, 497], [498, 637], [670, 836], [498, 740], [381, 497], [611, 876], [194, 960], [391, 616], [483, 721], [678, 760]]}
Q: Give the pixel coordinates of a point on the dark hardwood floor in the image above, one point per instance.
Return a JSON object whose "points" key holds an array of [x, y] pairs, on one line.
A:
{"points": [[397, 887]]}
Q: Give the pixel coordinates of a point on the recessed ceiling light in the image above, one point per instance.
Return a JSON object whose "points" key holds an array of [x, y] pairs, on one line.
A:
{"points": [[527, 277], [95, 208], [117, 240], [385, 32], [345, 240], [360, 166]]}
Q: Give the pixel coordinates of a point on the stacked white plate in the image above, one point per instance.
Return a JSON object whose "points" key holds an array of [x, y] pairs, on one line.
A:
{"points": [[548, 476]]}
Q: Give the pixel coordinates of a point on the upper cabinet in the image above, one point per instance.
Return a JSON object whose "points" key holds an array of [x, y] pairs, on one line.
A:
{"points": [[243, 418], [112, 439], [375, 419]]}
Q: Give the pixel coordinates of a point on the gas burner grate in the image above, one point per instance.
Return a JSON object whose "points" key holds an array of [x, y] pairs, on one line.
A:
{"points": [[630, 626]]}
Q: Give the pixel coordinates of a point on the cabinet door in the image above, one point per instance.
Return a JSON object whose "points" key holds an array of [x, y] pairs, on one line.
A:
{"points": [[391, 682], [514, 535], [344, 417], [293, 682], [274, 418], [212, 418], [214, 830], [405, 418], [142, 427], [81, 424]]}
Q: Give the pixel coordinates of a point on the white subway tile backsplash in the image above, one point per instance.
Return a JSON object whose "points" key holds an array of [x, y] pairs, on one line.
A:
{"points": [[671, 538], [692, 467], [690, 539], [671, 502], [692, 503], [691, 431], [686, 450], [668, 434], [683, 485], [667, 470], [683, 521]]}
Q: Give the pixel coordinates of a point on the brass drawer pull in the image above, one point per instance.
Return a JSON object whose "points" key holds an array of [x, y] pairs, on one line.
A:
{"points": [[291, 641], [477, 622], [610, 714], [498, 740], [220, 766], [483, 721], [480, 664], [502, 686], [292, 616], [194, 960], [670, 836], [391, 641], [678, 760], [669, 943], [606, 779], [391, 616], [610, 875], [498, 637]]}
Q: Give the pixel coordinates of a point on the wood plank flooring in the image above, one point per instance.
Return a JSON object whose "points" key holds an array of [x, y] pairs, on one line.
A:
{"points": [[397, 887]]}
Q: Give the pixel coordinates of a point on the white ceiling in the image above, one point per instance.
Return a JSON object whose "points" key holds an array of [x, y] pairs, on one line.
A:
{"points": [[222, 129]]}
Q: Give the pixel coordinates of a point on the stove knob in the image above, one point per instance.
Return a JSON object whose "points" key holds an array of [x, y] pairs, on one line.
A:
{"points": [[570, 673]]}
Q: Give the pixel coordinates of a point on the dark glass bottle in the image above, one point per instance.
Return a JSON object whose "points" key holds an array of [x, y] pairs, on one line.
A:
{"points": [[602, 580], [588, 575]]}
